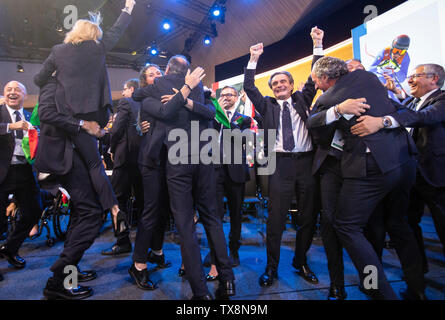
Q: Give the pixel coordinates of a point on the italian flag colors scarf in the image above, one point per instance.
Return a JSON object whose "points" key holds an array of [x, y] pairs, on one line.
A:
{"points": [[221, 116], [31, 137]]}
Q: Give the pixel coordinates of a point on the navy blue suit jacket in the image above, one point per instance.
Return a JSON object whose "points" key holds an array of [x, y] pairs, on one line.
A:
{"points": [[125, 139], [390, 148], [429, 135], [172, 115], [83, 87]]}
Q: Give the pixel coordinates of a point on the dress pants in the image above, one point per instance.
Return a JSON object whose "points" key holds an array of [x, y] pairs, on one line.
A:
{"points": [[331, 181], [85, 216], [125, 179], [86, 146], [423, 194], [292, 175], [21, 182], [358, 199], [153, 221], [234, 193], [192, 186]]}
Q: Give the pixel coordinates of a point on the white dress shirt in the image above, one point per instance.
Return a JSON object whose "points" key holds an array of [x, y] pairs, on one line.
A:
{"points": [[18, 150]]}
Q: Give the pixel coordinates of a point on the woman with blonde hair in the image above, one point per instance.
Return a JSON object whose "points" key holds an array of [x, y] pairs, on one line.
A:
{"points": [[83, 92]]}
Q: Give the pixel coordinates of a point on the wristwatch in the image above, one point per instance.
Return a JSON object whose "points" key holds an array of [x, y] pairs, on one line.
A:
{"points": [[81, 122], [386, 122]]}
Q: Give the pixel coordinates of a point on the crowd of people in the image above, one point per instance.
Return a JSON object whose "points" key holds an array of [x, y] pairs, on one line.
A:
{"points": [[367, 163]]}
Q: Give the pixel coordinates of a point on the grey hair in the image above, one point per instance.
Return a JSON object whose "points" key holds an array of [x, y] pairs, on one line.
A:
{"points": [[286, 73], [332, 68], [178, 64], [434, 69]]}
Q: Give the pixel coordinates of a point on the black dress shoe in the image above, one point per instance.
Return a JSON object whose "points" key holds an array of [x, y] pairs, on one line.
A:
{"points": [[159, 260], [225, 289], [116, 250], [337, 293], [141, 278], [206, 297], [306, 273], [234, 257], [121, 224], [408, 295], [87, 275], [55, 290], [181, 272], [266, 279], [15, 260], [212, 278]]}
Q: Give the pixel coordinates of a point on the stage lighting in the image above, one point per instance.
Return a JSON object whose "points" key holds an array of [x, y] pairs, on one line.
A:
{"points": [[166, 25], [207, 40], [217, 12], [154, 51]]}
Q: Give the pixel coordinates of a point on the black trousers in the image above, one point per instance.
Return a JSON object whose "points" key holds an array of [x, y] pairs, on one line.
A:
{"points": [[21, 182], [423, 194], [358, 200], [125, 179], [192, 186], [331, 181], [86, 216], [292, 175], [234, 192], [154, 218], [86, 146]]}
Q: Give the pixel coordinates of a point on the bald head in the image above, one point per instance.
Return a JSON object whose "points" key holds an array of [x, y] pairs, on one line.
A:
{"points": [[15, 94], [177, 65]]}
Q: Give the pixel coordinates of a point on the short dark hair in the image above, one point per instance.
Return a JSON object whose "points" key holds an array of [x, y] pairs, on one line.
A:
{"points": [[143, 76], [291, 79], [132, 83], [230, 87], [176, 65]]}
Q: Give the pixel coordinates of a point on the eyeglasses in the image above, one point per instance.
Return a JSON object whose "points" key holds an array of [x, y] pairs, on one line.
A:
{"points": [[228, 95], [419, 75]]}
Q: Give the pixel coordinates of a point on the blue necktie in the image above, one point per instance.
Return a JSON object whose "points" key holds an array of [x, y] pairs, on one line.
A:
{"points": [[18, 133], [286, 122], [413, 104]]}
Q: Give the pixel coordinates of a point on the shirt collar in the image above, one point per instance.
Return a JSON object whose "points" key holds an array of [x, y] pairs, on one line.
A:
{"points": [[289, 100], [232, 110], [11, 112]]}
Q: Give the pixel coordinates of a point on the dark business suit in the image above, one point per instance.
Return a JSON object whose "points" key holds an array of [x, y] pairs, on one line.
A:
{"points": [[191, 184], [56, 155], [292, 175], [83, 91], [231, 180], [19, 180], [125, 141], [429, 189], [387, 171]]}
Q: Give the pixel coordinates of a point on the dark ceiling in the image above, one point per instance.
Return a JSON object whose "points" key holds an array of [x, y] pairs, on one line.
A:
{"points": [[29, 28]]}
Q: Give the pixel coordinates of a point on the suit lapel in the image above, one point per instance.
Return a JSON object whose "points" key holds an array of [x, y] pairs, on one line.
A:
{"points": [[5, 114], [428, 101], [275, 112], [300, 110]]}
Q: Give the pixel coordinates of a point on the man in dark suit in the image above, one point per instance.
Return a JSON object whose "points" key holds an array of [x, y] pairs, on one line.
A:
{"points": [[231, 178], [373, 168], [424, 115], [287, 113], [56, 155], [16, 174], [191, 183]]}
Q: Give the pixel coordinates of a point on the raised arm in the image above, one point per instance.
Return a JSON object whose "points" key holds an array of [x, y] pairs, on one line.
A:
{"points": [[251, 90], [112, 36]]}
